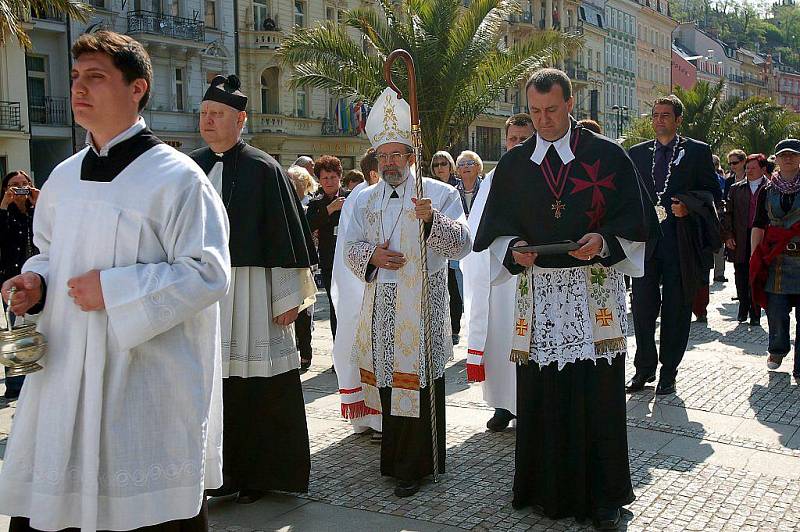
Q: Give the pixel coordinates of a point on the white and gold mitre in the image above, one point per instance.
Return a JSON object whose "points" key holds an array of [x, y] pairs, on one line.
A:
{"points": [[389, 120]]}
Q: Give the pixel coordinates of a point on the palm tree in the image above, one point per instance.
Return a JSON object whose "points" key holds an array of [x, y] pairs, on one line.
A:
{"points": [[759, 124], [462, 64], [14, 12], [705, 112]]}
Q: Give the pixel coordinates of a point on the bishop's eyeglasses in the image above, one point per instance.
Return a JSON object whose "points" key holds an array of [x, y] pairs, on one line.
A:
{"points": [[394, 157]]}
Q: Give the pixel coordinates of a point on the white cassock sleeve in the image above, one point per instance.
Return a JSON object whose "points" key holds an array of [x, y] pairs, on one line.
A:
{"points": [[357, 249], [477, 285], [145, 300], [450, 236]]}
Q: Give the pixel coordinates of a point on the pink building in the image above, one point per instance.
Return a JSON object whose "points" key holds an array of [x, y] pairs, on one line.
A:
{"points": [[789, 90], [684, 73]]}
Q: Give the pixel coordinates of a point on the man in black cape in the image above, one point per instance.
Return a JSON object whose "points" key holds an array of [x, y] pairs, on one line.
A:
{"points": [[265, 433], [568, 183]]}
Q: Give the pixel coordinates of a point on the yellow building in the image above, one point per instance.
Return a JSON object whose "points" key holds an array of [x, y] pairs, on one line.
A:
{"points": [[283, 122], [288, 123], [653, 52], [753, 70], [14, 124]]}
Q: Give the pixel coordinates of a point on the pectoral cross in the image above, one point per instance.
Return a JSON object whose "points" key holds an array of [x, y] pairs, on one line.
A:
{"points": [[557, 208]]}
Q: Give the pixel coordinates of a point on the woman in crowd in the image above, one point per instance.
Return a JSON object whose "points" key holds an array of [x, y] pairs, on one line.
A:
{"points": [[16, 239], [305, 186], [443, 168]]}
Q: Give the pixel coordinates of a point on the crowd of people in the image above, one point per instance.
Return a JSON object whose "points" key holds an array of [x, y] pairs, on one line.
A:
{"points": [[177, 295]]}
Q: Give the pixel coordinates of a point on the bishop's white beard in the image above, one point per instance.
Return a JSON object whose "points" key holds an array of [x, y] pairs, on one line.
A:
{"points": [[396, 177]]}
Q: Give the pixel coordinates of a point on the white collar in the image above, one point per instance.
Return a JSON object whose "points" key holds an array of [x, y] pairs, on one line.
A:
{"points": [[562, 148], [757, 182], [125, 135]]}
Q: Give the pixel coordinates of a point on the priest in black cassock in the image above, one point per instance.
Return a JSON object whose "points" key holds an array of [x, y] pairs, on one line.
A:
{"points": [[568, 183], [265, 433]]}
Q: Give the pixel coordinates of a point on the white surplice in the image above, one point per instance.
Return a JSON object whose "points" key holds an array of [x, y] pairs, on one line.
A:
{"points": [[345, 283], [122, 427], [490, 315], [253, 345]]}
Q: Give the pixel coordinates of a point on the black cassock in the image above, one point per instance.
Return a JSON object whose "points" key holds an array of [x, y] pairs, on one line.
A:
{"points": [[265, 435], [571, 453]]}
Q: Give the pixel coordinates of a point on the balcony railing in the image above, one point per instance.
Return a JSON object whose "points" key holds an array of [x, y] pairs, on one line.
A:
{"points": [[159, 24], [9, 116], [50, 14], [264, 40], [574, 30], [49, 111], [524, 17], [331, 129], [581, 74]]}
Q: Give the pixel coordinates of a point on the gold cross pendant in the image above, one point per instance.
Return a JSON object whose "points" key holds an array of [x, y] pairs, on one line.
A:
{"points": [[557, 208]]}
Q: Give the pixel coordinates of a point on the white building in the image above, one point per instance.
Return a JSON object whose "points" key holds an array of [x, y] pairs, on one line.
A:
{"points": [[621, 102], [189, 42], [14, 124]]}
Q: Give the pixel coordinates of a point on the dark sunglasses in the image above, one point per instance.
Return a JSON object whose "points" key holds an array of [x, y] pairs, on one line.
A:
{"points": [[735, 162], [441, 163]]}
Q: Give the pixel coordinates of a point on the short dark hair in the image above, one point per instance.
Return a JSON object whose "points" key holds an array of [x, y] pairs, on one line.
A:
{"points": [[591, 125], [352, 176], [329, 163], [11, 175], [543, 80], [127, 54], [369, 162], [674, 101], [519, 120], [762, 160]]}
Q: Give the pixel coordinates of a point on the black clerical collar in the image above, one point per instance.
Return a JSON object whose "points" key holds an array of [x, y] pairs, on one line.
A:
{"points": [[228, 154], [104, 169]]}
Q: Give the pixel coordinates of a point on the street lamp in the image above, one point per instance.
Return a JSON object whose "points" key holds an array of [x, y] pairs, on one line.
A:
{"points": [[622, 115]]}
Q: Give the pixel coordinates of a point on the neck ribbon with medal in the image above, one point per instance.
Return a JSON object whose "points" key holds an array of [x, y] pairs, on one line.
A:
{"points": [[557, 182], [661, 209]]}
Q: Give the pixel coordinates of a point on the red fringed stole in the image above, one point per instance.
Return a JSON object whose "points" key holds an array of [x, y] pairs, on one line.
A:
{"points": [[476, 372], [353, 406]]}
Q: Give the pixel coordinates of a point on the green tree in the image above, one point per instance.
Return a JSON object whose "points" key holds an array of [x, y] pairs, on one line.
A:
{"points": [[14, 12], [462, 63], [757, 125]]}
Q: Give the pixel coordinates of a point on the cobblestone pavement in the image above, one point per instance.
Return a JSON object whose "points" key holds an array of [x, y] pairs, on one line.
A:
{"points": [[722, 454]]}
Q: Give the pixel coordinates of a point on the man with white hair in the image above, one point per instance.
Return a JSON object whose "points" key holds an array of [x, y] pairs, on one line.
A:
{"points": [[264, 428], [306, 162], [382, 247]]}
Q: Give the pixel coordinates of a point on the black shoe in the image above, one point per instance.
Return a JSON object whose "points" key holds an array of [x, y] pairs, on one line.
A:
{"points": [[638, 381], [249, 496], [755, 322], [702, 319], [721, 279], [741, 319], [665, 387], [222, 491], [406, 488], [500, 420], [606, 519]]}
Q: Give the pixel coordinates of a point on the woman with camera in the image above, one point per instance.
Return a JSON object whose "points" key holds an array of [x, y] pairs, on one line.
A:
{"points": [[16, 239]]}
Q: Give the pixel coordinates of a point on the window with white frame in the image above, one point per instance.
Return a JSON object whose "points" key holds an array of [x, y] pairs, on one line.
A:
{"points": [[179, 89], [260, 14], [38, 87], [301, 103], [211, 13], [175, 8], [299, 13]]}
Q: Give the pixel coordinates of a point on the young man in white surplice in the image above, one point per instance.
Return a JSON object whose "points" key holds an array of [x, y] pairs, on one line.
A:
{"points": [[122, 427]]}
